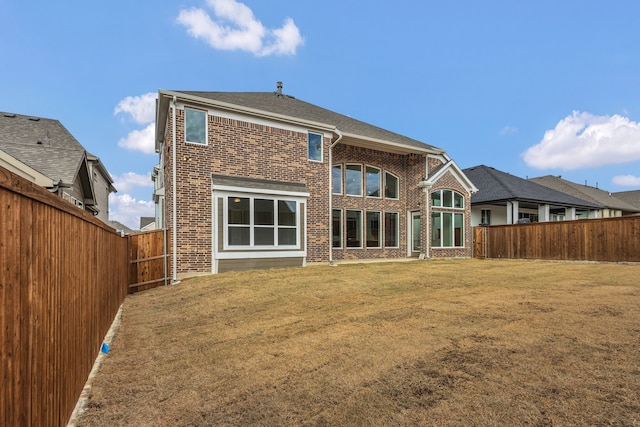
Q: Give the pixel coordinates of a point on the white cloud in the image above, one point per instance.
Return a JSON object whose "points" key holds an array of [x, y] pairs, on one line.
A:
{"points": [[235, 27], [585, 140], [507, 130], [129, 180], [627, 180], [141, 108], [140, 140], [127, 210]]}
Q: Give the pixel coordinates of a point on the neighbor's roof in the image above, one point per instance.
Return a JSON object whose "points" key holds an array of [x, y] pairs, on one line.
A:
{"points": [[631, 197], [585, 192], [497, 186], [284, 107], [43, 144]]}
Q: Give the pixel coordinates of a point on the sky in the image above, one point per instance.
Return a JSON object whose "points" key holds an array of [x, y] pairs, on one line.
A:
{"points": [[531, 88]]}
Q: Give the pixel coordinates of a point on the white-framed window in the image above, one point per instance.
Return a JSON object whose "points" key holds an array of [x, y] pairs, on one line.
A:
{"points": [[336, 179], [69, 198], [195, 126], [391, 230], [336, 228], [447, 230], [261, 222], [485, 217], [447, 199], [373, 229], [372, 181], [354, 228], [314, 147], [391, 187], [353, 179]]}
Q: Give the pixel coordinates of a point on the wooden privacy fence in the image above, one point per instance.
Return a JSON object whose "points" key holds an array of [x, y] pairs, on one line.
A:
{"points": [[63, 277], [608, 239], [148, 260]]}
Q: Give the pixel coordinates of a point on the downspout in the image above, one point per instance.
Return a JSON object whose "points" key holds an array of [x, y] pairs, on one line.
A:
{"points": [[174, 243], [333, 144]]}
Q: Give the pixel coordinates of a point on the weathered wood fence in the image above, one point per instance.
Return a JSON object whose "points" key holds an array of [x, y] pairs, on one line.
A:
{"points": [[63, 277], [149, 262], [608, 239]]}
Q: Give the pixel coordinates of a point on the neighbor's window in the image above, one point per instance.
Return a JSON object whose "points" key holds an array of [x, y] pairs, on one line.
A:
{"points": [[336, 228], [390, 186], [372, 176], [485, 217], [256, 221], [336, 179], [353, 180], [391, 229], [354, 229], [373, 230], [195, 125], [447, 229], [447, 199], [314, 144]]}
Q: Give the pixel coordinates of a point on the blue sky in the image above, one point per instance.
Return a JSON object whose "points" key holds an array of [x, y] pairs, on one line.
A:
{"points": [[528, 87]]}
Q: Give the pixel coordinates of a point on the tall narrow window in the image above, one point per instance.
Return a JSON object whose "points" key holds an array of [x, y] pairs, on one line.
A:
{"points": [[287, 222], [354, 229], [195, 125], [238, 217], [436, 230], [263, 219], [391, 229], [353, 180], [372, 181], [458, 230], [485, 217], [314, 144], [390, 186], [336, 228], [336, 179], [373, 230]]}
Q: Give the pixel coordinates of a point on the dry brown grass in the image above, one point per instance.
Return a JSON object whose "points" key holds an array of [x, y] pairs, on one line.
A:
{"points": [[450, 342]]}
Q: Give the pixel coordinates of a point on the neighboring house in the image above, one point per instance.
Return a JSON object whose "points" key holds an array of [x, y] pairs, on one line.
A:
{"points": [[630, 197], [43, 151], [506, 199], [610, 206], [147, 223], [120, 227], [262, 179]]}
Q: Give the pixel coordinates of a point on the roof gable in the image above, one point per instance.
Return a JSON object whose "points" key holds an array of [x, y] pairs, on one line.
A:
{"points": [[497, 186]]}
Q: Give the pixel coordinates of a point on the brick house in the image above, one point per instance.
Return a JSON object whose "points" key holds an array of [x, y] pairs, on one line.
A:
{"points": [[262, 179]]}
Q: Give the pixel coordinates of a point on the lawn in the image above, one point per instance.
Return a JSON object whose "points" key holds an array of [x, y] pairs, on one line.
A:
{"points": [[442, 342]]}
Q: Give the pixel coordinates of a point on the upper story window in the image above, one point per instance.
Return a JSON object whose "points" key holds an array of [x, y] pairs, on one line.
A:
{"points": [[314, 145], [336, 179], [372, 181], [447, 199], [195, 126], [391, 190], [353, 180]]}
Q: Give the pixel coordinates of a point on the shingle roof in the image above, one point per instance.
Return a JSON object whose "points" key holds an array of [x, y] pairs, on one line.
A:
{"points": [[595, 195], [497, 186], [43, 144], [290, 106], [631, 197]]}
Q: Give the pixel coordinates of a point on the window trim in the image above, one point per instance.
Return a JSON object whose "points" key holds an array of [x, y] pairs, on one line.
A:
{"points": [[366, 181], [366, 230], [321, 147], [397, 229], [346, 186], [206, 131], [397, 186]]}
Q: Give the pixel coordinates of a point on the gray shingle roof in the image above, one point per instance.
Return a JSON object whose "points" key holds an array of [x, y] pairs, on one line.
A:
{"points": [[595, 195], [631, 197], [290, 106], [497, 186], [43, 144]]}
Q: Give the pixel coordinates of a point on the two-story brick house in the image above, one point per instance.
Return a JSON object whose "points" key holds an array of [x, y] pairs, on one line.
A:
{"points": [[262, 179]]}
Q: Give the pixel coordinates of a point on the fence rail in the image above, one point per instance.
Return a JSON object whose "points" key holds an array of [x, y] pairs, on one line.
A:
{"points": [[63, 277], [608, 239]]}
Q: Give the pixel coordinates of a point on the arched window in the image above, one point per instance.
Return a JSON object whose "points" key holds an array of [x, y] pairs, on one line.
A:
{"points": [[447, 199]]}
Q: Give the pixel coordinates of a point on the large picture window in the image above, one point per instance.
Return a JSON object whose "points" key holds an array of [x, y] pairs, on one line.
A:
{"points": [[447, 229], [391, 229], [314, 145], [372, 176], [391, 190], [195, 125], [374, 230], [261, 222], [353, 180], [354, 229]]}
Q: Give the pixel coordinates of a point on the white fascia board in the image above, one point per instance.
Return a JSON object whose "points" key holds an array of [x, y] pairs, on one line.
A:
{"points": [[250, 190]]}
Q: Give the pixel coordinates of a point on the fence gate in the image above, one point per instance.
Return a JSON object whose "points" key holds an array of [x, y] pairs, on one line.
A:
{"points": [[148, 260], [479, 242]]}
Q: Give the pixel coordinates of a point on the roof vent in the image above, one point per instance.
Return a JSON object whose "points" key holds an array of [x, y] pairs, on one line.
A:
{"points": [[11, 115], [35, 119], [279, 89]]}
